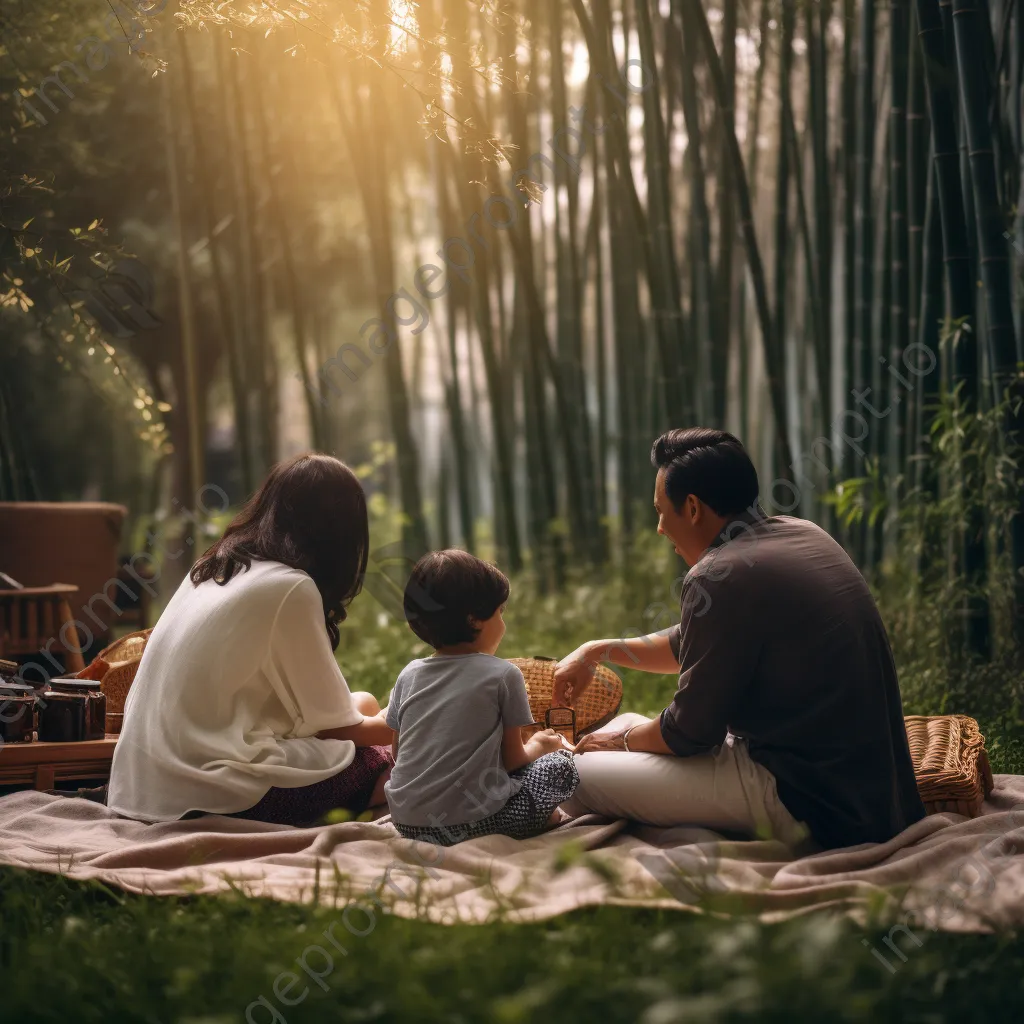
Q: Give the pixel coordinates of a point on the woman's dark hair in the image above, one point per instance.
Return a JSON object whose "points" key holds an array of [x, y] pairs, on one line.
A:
{"points": [[310, 514], [710, 464], [445, 590]]}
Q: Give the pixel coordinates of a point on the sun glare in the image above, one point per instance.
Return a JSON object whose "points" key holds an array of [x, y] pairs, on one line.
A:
{"points": [[403, 22]]}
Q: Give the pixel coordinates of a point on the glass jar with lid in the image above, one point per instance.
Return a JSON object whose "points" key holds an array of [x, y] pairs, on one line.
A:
{"points": [[17, 711], [72, 710]]}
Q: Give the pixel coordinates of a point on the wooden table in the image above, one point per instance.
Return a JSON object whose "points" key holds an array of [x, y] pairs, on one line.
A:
{"points": [[42, 764]]}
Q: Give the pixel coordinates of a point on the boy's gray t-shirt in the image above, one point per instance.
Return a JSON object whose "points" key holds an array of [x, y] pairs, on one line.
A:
{"points": [[450, 712]]}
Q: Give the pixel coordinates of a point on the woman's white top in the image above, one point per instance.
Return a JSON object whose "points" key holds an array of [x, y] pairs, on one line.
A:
{"points": [[234, 683]]}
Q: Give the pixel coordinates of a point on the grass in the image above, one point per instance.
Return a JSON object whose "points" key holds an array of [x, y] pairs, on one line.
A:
{"points": [[77, 952], [84, 952]]}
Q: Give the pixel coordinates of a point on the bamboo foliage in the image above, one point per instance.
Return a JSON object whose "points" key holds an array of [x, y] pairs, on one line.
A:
{"points": [[764, 216], [875, 159]]}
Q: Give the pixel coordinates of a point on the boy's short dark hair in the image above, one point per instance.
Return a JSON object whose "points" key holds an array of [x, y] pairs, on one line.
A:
{"points": [[709, 463], [445, 590]]}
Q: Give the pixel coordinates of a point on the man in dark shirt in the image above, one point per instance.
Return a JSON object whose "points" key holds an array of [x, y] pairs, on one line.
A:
{"points": [[785, 672]]}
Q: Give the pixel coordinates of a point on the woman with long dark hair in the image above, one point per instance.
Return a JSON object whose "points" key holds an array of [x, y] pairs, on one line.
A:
{"points": [[239, 706]]}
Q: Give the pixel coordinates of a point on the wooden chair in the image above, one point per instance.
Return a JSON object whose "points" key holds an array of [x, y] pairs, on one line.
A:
{"points": [[32, 617]]}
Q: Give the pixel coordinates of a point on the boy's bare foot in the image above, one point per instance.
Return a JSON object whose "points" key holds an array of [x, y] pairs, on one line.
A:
{"points": [[558, 816]]}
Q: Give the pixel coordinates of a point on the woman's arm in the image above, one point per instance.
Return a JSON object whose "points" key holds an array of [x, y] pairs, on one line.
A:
{"points": [[308, 681], [650, 653], [516, 754], [372, 731]]}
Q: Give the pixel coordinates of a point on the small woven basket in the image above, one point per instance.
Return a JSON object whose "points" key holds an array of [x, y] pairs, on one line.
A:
{"points": [[597, 706], [119, 662], [950, 763]]}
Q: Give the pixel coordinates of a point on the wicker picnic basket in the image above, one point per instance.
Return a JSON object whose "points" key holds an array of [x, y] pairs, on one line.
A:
{"points": [[950, 763], [597, 706], [115, 666]]}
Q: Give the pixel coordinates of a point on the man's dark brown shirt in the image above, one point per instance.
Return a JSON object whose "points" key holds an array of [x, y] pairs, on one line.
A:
{"points": [[780, 642]]}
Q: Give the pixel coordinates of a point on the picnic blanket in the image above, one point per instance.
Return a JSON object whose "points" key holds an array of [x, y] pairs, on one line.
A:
{"points": [[946, 871]]}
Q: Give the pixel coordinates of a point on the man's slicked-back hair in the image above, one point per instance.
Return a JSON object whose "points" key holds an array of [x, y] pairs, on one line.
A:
{"points": [[447, 589], [711, 464]]}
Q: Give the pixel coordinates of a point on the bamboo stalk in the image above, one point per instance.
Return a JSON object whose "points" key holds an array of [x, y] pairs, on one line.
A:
{"points": [[993, 255], [452, 385], [817, 30], [756, 102], [931, 304], [781, 276], [721, 306], [569, 291], [994, 258], [668, 305], [940, 76], [368, 152], [193, 398], [574, 447], [300, 336], [241, 251], [225, 317], [920, 195], [848, 99], [668, 319], [899, 326], [773, 357], [250, 256], [465, 169], [806, 238], [702, 282], [863, 219], [945, 154], [626, 335]]}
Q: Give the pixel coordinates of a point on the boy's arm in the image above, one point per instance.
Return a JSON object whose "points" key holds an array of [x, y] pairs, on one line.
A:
{"points": [[513, 750], [516, 754], [514, 707]]}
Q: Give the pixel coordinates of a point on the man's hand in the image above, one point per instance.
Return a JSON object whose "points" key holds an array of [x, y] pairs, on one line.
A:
{"points": [[601, 741], [573, 674], [644, 736]]}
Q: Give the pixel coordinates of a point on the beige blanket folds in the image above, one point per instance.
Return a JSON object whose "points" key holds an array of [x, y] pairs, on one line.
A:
{"points": [[945, 871]]}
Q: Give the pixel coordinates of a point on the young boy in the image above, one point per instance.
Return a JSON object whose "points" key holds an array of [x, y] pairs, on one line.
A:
{"points": [[461, 768]]}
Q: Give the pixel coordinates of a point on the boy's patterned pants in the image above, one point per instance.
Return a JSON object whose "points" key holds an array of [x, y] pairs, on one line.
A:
{"points": [[547, 782]]}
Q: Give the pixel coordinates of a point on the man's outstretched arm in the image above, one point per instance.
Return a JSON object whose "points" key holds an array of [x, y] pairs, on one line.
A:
{"points": [[650, 653]]}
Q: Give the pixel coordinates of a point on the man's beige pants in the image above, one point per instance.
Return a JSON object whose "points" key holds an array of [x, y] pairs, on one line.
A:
{"points": [[725, 791]]}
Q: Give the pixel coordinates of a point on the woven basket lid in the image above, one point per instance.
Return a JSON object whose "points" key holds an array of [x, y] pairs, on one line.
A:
{"points": [[122, 657], [950, 763], [595, 707], [127, 648]]}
